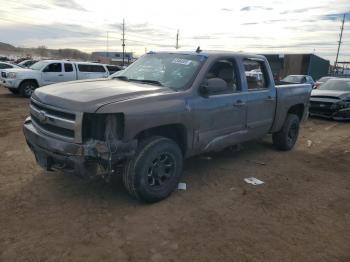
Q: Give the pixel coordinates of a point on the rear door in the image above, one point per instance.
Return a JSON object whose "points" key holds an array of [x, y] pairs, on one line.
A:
{"points": [[260, 97], [69, 72], [53, 73]]}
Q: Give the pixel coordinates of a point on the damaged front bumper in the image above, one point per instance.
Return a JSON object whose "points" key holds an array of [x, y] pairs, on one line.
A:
{"points": [[342, 114], [86, 160]]}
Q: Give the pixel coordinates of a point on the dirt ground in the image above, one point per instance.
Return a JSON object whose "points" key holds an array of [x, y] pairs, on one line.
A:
{"points": [[300, 213]]}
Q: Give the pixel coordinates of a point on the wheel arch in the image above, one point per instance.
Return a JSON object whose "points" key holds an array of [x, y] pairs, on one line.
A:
{"points": [[176, 132]]}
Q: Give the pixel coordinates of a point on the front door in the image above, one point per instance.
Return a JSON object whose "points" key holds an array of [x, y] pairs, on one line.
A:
{"points": [[52, 73], [220, 117]]}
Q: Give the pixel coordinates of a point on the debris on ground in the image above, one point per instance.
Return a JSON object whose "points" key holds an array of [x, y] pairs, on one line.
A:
{"points": [[182, 186], [254, 181], [329, 127], [257, 162], [309, 143]]}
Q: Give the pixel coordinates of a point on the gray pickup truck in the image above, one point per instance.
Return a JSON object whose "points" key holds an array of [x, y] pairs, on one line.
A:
{"points": [[142, 122]]}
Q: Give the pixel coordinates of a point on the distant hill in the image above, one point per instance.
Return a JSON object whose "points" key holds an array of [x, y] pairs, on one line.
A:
{"points": [[7, 47], [43, 52]]}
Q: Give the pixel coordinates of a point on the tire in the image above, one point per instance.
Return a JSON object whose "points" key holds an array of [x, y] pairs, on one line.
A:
{"points": [[27, 88], [286, 138], [155, 170], [14, 91]]}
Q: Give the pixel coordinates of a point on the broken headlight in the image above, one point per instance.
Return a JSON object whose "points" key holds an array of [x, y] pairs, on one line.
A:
{"points": [[103, 127]]}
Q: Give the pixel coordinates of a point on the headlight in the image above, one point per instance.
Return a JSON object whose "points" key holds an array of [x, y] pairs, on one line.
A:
{"points": [[344, 104], [11, 75]]}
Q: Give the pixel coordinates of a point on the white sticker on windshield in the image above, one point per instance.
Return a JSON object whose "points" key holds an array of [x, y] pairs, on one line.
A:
{"points": [[181, 61]]}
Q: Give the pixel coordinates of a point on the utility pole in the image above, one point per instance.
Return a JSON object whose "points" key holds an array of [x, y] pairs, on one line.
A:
{"points": [[177, 40], [123, 42], [339, 42]]}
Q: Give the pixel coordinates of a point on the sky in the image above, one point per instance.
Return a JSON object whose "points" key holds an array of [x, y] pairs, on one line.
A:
{"points": [[293, 26]]}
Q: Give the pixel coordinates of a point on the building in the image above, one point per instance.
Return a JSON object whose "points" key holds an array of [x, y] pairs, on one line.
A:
{"points": [[115, 58], [298, 64]]}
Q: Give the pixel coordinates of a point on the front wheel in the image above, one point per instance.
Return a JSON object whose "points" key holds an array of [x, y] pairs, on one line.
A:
{"points": [[286, 138], [27, 88], [154, 172]]}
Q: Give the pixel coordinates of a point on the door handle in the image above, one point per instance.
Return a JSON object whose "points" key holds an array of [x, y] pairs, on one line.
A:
{"points": [[60, 75], [239, 103], [269, 99]]}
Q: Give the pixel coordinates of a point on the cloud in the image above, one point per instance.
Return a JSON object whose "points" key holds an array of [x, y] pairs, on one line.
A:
{"points": [[301, 10], [336, 17], [69, 4], [254, 8], [226, 9]]}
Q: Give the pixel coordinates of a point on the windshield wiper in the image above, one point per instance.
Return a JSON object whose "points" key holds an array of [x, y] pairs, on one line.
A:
{"points": [[147, 81], [124, 78]]}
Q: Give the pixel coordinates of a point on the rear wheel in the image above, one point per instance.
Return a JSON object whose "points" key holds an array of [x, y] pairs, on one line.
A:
{"points": [[286, 138], [27, 88], [154, 172]]}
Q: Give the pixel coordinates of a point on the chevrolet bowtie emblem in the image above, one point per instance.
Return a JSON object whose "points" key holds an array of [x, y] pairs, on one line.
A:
{"points": [[42, 117]]}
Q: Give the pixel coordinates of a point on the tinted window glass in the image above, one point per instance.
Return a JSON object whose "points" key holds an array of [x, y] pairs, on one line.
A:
{"points": [[68, 67], [4, 66], [226, 70], [91, 68], [54, 67], [113, 69], [255, 74]]}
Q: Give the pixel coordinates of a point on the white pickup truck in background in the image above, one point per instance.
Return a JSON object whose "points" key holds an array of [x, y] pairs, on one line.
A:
{"points": [[46, 72]]}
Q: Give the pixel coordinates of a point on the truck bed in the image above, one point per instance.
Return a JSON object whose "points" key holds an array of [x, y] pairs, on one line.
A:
{"points": [[288, 95]]}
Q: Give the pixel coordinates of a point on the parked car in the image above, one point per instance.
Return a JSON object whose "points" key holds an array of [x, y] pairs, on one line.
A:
{"points": [[331, 100], [113, 69], [5, 65], [298, 79], [27, 63], [47, 72], [322, 80], [141, 124]]}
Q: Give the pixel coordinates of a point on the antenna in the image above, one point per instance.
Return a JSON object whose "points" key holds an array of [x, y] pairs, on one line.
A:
{"points": [[123, 42], [339, 43]]}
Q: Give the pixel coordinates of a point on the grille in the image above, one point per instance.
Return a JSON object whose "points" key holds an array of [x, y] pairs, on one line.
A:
{"points": [[56, 122], [322, 108]]}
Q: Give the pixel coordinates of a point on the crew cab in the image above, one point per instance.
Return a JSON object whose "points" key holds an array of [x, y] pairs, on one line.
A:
{"points": [[167, 106], [46, 72]]}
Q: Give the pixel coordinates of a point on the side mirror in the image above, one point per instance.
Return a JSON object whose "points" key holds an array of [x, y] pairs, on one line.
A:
{"points": [[213, 86]]}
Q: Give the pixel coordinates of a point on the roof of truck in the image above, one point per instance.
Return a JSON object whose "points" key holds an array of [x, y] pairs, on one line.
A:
{"points": [[210, 53]]}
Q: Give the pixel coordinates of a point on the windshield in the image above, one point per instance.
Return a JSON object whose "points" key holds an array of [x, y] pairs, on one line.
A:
{"points": [[293, 79], [175, 71], [39, 65], [336, 85], [324, 79]]}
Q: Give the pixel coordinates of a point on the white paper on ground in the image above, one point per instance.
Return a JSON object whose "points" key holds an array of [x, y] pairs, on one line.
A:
{"points": [[182, 186], [254, 181]]}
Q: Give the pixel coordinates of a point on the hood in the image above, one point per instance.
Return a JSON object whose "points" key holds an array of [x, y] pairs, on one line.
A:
{"points": [[19, 70], [344, 95], [89, 95]]}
